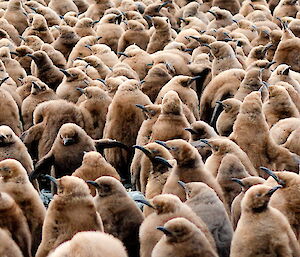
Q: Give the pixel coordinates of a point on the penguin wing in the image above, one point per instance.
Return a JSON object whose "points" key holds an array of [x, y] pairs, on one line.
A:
{"points": [[42, 166]]}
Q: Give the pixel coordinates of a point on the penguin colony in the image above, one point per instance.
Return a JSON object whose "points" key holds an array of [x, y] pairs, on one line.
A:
{"points": [[193, 103]]}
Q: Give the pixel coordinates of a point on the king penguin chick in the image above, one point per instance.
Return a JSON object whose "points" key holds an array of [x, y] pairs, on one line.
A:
{"points": [[182, 238], [251, 240], [72, 210], [206, 204], [120, 215]]}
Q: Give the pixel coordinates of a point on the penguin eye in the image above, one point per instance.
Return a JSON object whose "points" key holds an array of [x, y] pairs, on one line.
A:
{"points": [[258, 195]]}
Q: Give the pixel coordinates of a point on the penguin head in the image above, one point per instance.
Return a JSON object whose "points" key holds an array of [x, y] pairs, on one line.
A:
{"points": [[69, 134], [166, 203], [171, 103], [179, 230], [257, 198], [7, 136], [93, 158], [11, 170], [72, 186], [110, 186]]}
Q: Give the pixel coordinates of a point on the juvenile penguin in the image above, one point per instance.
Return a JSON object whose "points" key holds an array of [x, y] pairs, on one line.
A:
{"points": [[120, 215], [92, 244], [189, 168], [13, 220], [203, 200], [11, 146], [167, 207], [15, 182], [95, 166], [182, 238], [71, 211], [161, 36], [251, 240], [171, 122], [40, 93], [8, 246], [123, 123], [245, 183]]}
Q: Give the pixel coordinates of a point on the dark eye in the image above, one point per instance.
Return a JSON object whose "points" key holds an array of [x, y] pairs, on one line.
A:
{"points": [[258, 195]]}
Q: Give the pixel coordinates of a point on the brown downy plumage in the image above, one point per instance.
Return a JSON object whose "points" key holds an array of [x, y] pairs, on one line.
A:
{"points": [[182, 238], [189, 168], [258, 144], [91, 244], [118, 126], [71, 211], [15, 182], [94, 166], [205, 203], [251, 240], [166, 207], [120, 215], [8, 246]]}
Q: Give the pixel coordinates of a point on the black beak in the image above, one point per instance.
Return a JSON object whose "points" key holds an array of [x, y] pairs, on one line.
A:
{"points": [[143, 149], [52, 179], [65, 72], [144, 201], [164, 230], [162, 161], [142, 107], [273, 190], [240, 182], [182, 184], [93, 183], [193, 132], [162, 144], [35, 85], [273, 175], [205, 142], [3, 80], [68, 141], [81, 90]]}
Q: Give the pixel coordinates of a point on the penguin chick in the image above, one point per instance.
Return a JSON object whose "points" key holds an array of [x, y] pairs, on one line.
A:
{"points": [[182, 238], [40, 92], [46, 71], [245, 184], [205, 203], [15, 182], [120, 215], [189, 168], [11, 146], [67, 151], [227, 117], [13, 220], [96, 103], [222, 146], [250, 240], [93, 244], [8, 246], [94, 166], [71, 211], [161, 36], [10, 116], [171, 117], [224, 58], [167, 207], [279, 105]]}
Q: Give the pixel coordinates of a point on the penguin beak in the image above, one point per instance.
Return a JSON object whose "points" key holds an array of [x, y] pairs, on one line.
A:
{"points": [[162, 144], [273, 190], [182, 19], [142, 107], [206, 142], [122, 53], [207, 45], [3, 80], [193, 37], [240, 182], [193, 132], [220, 103], [163, 5], [36, 86], [273, 175], [213, 13], [52, 179], [88, 46], [93, 183], [81, 90], [162, 161], [95, 22], [145, 202], [65, 72], [31, 56], [143, 149], [286, 71], [164, 230], [68, 141], [23, 38], [109, 143], [182, 184]]}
